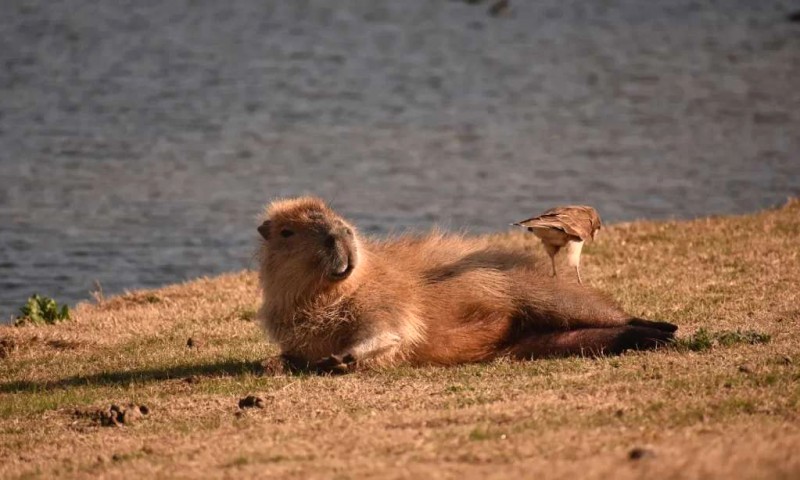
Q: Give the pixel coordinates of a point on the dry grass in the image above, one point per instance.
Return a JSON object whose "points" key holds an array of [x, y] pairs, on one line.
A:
{"points": [[729, 409]]}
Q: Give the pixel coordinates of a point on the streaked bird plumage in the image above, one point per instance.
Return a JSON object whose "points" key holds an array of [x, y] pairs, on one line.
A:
{"points": [[565, 227]]}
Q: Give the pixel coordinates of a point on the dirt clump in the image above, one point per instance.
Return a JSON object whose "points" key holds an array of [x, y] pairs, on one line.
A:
{"points": [[115, 415], [640, 453], [251, 401]]}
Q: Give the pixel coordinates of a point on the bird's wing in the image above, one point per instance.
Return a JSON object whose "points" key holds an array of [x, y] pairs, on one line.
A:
{"points": [[530, 222], [543, 221], [576, 220]]}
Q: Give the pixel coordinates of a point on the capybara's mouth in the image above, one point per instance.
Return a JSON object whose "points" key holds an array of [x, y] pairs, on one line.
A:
{"points": [[342, 273]]}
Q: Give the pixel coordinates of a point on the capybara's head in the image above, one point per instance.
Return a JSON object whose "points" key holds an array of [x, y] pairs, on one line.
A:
{"points": [[306, 245]]}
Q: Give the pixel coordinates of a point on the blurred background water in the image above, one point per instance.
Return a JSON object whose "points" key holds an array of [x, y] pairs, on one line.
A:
{"points": [[139, 140]]}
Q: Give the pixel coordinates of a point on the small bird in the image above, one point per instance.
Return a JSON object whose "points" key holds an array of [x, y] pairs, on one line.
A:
{"points": [[566, 227]]}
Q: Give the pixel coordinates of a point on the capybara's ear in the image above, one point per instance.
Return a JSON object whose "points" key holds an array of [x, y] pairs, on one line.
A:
{"points": [[263, 229]]}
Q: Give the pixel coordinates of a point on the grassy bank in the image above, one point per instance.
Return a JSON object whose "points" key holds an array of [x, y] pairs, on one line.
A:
{"points": [[726, 403]]}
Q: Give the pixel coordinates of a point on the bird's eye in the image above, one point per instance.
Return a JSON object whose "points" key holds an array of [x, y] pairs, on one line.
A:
{"points": [[286, 233]]}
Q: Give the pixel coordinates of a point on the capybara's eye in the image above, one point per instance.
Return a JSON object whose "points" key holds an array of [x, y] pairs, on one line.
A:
{"points": [[286, 233], [348, 231]]}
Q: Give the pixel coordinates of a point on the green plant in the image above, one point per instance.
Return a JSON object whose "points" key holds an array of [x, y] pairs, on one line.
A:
{"points": [[704, 340], [41, 310], [701, 340], [727, 338]]}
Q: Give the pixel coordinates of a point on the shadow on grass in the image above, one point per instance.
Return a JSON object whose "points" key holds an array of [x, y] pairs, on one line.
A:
{"points": [[229, 368]]}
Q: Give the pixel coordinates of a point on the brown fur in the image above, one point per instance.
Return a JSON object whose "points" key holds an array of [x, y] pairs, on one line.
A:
{"points": [[432, 299]]}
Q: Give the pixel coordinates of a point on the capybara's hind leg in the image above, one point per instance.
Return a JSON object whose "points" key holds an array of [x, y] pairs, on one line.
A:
{"points": [[590, 341], [556, 305]]}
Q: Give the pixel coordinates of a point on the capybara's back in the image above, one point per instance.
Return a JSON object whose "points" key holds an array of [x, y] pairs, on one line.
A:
{"points": [[333, 299]]}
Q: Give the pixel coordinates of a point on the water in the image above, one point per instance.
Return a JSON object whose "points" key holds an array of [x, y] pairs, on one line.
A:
{"points": [[139, 140]]}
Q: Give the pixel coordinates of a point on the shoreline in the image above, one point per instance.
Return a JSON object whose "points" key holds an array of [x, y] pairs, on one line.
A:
{"points": [[127, 291]]}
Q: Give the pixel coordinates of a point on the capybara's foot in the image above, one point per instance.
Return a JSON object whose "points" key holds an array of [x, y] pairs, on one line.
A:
{"points": [[276, 365], [636, 337], [295, 364], [336, 364], [663, 326]]}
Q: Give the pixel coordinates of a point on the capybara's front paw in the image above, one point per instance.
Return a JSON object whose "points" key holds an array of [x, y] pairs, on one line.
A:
{"points": [[336, 364], [296, 364], [285, 364], [275, 365]]}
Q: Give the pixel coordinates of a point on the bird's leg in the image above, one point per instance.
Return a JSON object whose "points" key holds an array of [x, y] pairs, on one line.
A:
{"points": [[552, 251], [574, 256]]}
